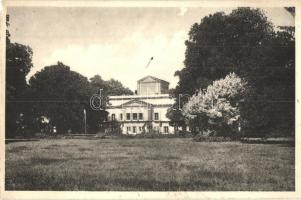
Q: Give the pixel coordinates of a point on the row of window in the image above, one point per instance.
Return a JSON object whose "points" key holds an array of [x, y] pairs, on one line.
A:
{"points": [[129, 129], [134, 116]]}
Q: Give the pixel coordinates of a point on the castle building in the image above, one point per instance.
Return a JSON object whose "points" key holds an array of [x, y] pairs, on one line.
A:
{"points": [[144, 112]]}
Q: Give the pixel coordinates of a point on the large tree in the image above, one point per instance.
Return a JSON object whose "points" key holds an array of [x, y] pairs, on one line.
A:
{"points": [[246, 43], [61, 95], [18, 65]]}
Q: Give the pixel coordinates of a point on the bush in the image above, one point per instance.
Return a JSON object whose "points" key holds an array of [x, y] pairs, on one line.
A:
{"points": [[283, 140], [154, 134], [217, 107], [202, 138]]}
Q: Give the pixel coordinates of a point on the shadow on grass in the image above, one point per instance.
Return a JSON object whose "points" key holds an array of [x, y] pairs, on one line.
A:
{"points": [[44, 161], [30, 180], [7, 141], [201, 180], [158, 157], [84, 149], [17, 149]]}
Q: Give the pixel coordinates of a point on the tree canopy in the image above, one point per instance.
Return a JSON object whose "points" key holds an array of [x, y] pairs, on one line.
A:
{"points": [[110, 87], [61, 95], [55, 93], [18, 64], [246, 43]]}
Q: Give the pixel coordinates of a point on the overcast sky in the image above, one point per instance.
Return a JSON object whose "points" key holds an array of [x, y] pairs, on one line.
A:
{"points": [[113, 42]]}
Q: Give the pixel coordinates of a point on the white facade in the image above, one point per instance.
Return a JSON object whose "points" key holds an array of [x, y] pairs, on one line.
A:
{"points": [[143, 112]]}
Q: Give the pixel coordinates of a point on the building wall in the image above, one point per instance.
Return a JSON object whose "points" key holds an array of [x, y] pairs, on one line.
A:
{"points": [[151, 86], [152, 100], [163, 127], [160, 124], [140, 127], [162, 113]]}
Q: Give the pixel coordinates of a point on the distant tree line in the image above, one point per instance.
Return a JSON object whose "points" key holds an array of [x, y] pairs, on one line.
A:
{"points": [[56, 95], [246, 43]]}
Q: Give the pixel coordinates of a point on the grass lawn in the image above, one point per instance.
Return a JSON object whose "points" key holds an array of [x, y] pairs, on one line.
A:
{"points": [[166, 164]]}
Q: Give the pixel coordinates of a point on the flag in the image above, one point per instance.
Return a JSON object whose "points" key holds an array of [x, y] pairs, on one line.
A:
{"points": [[149, 62]]}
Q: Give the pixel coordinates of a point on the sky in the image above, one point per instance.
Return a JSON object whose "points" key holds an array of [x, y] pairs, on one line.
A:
{"points": [[114, 42]]}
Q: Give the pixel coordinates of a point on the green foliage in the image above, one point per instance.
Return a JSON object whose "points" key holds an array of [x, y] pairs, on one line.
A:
{"points": [[56, 93], [245, 42], [217, 107], [61, 95], [18, 64], [176, 116], [221, 44], [110, 87]]}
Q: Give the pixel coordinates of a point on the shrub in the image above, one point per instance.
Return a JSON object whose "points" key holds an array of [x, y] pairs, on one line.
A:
{"points": [[217, 107], [203, 138]]}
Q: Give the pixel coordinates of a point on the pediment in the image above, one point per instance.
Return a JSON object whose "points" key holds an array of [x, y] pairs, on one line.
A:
{"points": [[135, 103], [151, 79], [148, 79]]}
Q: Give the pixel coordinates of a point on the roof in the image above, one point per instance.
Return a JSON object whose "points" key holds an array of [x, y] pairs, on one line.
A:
{"points": [[152, 77], [136, 102], [154, 100], [126, 97]]}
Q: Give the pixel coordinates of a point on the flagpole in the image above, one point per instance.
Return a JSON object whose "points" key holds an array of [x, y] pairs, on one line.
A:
{"points": [[85, 121]]}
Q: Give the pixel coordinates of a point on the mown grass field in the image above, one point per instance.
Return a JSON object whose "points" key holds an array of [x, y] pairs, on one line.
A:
{"points": [[169, 164]]}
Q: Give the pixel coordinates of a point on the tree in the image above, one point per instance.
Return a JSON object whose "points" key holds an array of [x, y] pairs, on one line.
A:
{"points": [[18, 65], [221, 44], [114, 87], [244, 42], [176, 117], [61, 95], [110, 87], [217, 107]]}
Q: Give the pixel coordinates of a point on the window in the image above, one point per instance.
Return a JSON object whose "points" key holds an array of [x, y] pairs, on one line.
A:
{"points": [[140, 129], [166, 129], [156, 116], [140, 116], [134, 116], [128, 129], [120, 116], [113, 117], [128, 116], [134, 129]]}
